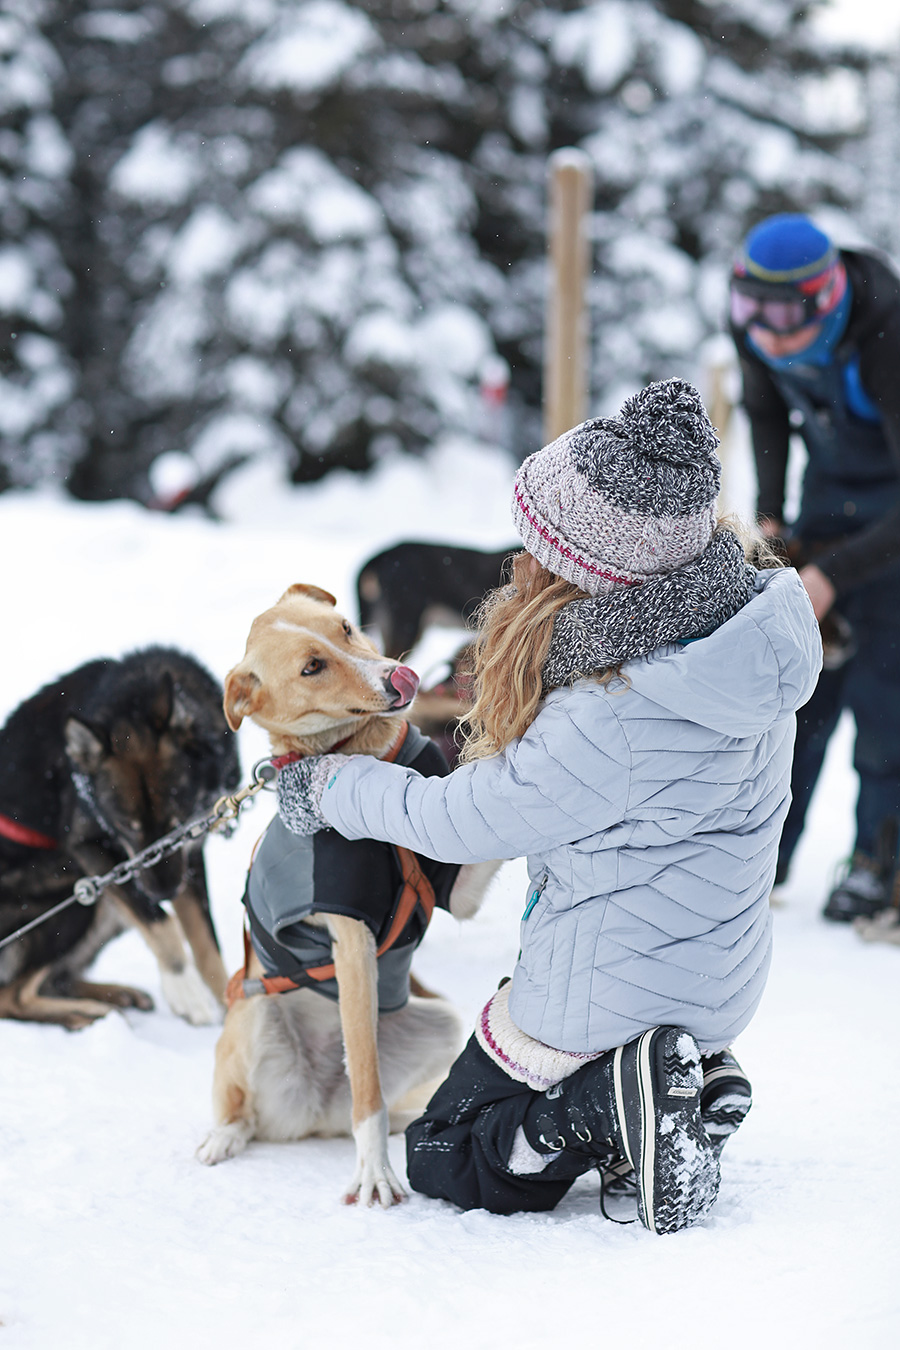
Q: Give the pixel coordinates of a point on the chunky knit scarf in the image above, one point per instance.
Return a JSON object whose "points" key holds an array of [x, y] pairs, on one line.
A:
{"points": [[605, 630]]}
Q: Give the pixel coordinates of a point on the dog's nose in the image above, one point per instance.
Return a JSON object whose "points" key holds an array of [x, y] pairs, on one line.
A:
{"points": [[406, 682]]}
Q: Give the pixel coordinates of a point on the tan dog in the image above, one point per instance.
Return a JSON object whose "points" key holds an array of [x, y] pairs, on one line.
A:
{"points": [[315, 682]]}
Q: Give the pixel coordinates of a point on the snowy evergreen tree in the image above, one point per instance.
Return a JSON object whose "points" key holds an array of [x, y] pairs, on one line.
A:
{"points": [[288, 267], [301, 227], [880, 214], [40, 416], [707, 120]]}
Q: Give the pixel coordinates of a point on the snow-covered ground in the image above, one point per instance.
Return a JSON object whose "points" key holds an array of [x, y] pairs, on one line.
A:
{"points": [[112, 1236]]}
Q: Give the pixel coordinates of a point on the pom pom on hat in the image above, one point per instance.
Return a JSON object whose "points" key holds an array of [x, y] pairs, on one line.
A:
{"points": [[617, 500], [659, 453]]}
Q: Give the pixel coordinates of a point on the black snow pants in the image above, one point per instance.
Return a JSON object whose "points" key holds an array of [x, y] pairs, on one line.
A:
{"points": [[869, 685], [459, 1149]]}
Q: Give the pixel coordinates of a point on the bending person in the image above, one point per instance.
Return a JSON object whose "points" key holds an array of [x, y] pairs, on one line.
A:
{"points": [[818, 335]]}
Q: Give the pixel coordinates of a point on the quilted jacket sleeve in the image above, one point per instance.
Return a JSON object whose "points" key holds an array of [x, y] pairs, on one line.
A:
{"points": [[566, 779]]}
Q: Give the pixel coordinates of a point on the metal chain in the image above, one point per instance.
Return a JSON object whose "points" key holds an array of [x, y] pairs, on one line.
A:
{"points": [[223, 816]]}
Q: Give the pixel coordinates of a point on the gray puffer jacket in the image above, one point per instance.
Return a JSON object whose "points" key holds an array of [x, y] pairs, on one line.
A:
{"points": [[650, 813]]}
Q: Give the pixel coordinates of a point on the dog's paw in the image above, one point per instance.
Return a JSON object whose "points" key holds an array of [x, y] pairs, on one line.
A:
{"points": [[84, 1015], [125, 996], [470, 887], [375, 1183], [188, 996], [374, 1178], [225, 1141]]}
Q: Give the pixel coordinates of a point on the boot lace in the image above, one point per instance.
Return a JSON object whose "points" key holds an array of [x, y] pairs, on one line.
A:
{"points": [[617, 1182]]}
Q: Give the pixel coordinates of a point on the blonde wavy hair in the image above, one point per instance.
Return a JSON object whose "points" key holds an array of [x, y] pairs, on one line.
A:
{"points": [[515, 625]]}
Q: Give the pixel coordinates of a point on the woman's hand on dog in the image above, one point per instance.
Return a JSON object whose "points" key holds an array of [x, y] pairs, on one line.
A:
{"points": [[300, 787]]}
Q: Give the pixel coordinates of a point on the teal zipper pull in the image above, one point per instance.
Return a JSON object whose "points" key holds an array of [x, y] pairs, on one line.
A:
{"points": [[534, 897]]}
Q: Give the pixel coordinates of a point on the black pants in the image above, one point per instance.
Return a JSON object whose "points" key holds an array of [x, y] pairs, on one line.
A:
{"points": [[459, 1149], [869, 685]]}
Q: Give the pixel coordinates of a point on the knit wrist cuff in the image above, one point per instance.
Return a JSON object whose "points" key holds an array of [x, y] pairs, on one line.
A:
{"points": [[300, 788]]}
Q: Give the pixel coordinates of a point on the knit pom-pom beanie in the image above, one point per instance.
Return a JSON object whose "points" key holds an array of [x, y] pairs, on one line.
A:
{"points": [[618, 500]]}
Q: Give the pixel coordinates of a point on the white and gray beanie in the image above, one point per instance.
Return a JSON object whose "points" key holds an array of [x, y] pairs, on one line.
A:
{"points": [[625, 508], [620, 499]]}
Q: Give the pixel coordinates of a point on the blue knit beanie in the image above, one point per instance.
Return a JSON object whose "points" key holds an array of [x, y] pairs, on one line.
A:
{"points": [[785, 250]]}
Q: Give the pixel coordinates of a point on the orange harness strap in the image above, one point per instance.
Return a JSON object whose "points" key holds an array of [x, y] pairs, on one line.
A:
{"points": [[271, 984], [417, 890]]}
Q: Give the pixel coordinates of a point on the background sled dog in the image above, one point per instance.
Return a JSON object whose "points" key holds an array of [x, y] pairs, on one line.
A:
{"points": [[93, 768], [314, 683], [413, 584]]}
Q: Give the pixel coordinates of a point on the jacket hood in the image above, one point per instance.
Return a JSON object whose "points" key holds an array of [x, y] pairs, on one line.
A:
{"points": [[758, 667]]}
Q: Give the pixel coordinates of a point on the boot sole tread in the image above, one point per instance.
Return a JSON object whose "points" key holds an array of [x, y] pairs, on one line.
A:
{"points": [[678, 1171]]}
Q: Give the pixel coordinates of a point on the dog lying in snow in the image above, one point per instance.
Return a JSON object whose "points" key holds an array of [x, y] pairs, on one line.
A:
{"points": [[333, 923]]}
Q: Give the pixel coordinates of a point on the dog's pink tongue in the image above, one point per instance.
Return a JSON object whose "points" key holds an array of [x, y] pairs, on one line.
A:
{"points": [[406, 682]]}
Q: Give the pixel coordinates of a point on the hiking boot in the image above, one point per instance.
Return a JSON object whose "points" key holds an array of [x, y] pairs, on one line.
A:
{"points": [[725, 1099], [644, 1100], [862, 892]]}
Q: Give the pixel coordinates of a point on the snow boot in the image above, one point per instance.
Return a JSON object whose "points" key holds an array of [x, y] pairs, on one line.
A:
{"points": [[861, 893], [644, 1100], [725, 1098]]}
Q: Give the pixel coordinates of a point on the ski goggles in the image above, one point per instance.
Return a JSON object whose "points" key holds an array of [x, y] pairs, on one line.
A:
{"points": [[786, 309]]}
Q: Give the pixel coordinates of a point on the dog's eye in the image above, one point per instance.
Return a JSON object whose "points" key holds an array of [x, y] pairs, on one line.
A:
{"points": [[313, 667]]}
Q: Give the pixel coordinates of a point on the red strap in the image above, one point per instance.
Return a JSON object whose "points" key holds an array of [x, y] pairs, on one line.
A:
{"points": [[21, 834], [279, 761]]}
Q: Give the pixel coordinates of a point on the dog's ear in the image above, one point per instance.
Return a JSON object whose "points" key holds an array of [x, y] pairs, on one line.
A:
{"points": [[168, 710], [86, 746], [310, 592], [160, 710], [243, 696]]}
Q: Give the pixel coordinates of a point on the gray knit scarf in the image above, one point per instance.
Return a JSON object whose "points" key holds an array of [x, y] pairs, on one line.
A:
{"points": [[604, 630]]}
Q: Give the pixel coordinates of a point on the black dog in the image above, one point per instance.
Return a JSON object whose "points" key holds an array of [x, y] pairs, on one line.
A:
{"points": [[403, 589], [93, 768]]}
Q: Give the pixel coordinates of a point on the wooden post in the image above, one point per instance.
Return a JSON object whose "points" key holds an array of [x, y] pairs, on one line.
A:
{"points": [[565, 338], [719, 405], [719, 377]]}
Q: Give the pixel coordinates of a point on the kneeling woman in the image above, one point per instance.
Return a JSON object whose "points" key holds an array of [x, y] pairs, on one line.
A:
{"points": [[632, 735]]}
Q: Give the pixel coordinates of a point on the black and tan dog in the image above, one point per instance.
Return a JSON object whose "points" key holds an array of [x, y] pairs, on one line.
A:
{"points": [[403, 589], [333, 922], [93, 768]]}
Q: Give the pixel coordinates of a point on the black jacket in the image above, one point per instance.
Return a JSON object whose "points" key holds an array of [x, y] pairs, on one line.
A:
{"points": [[860, 551]]}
